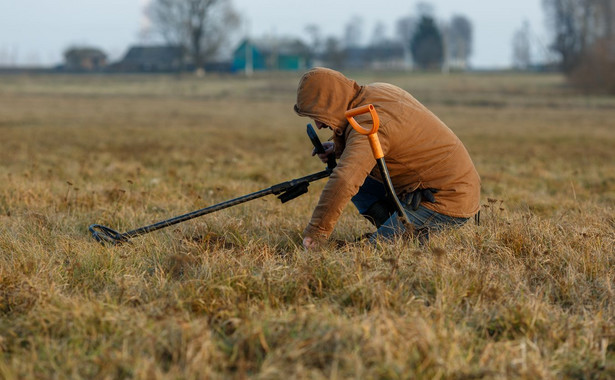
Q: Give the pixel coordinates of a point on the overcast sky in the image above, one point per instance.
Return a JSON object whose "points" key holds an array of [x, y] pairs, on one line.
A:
{"points": [[37, 31]]}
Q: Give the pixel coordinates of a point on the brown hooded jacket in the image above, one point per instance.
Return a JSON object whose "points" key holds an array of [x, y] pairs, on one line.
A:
{"points": [[420, 151]]}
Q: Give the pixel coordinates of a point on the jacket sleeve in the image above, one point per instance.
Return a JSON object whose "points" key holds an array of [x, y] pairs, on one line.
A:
{"points": [[353, 167]]}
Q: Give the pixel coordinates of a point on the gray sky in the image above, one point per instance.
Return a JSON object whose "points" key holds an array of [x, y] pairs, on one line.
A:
{"points": [[37, 31]]}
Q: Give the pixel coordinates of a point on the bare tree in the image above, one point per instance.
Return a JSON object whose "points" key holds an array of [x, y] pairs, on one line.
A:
{"points": [[584, 38], [576, 25], [353, 32], [378, 34], [200, 26], [595, 71], [459, 40], [404, 29], [316, 40], [522, 47], [566, 20], [427, 9], [334, 53]]}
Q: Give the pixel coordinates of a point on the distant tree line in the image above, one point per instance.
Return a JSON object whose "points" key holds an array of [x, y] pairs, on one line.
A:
{"points": [[427, 43], [584, 40], [202, 27]]}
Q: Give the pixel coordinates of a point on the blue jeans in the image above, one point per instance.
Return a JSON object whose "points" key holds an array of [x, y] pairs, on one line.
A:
{"points": [[423, 219]]}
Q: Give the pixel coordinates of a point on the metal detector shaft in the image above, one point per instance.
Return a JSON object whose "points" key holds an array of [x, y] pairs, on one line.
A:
{"points": [[116, 237], [286, 191], [275, 189]]}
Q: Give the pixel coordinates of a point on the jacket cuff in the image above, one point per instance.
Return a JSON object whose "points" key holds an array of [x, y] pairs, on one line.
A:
{"points": [[315, 233]]}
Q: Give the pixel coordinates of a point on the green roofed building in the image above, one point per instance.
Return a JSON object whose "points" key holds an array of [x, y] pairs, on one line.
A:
{"points": [[270, 54]]}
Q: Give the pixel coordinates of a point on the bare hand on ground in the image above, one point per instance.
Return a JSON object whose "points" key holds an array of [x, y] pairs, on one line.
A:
{"points": [[309, 243]]}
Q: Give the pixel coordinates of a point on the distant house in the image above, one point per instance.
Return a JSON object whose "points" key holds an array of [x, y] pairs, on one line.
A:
{"points": [[270, 54], [387, 55], [152, 59], [84, 59]]}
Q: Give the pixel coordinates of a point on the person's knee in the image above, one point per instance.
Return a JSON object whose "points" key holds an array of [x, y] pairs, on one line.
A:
{"points": [[379, 212]]}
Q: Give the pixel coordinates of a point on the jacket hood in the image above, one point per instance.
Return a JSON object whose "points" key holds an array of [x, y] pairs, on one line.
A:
{"points": [[325, 95]]}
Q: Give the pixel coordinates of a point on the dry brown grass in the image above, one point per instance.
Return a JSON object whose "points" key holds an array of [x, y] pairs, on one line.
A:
{"points": [[528, 294]]}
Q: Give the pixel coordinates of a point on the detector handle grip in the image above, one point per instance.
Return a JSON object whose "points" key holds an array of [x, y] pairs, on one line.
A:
{"points": [[318, 148]]}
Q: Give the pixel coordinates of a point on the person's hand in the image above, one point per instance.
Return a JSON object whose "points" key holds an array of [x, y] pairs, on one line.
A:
{"points": [[422, 195], [309, 243], [329, 149]]}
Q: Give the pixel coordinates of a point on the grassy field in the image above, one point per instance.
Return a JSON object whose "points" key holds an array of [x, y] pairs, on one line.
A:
{"points": [[530, 293]]}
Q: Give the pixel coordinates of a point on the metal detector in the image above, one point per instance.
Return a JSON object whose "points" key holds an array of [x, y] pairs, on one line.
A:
{"points": [[285, 191]]}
